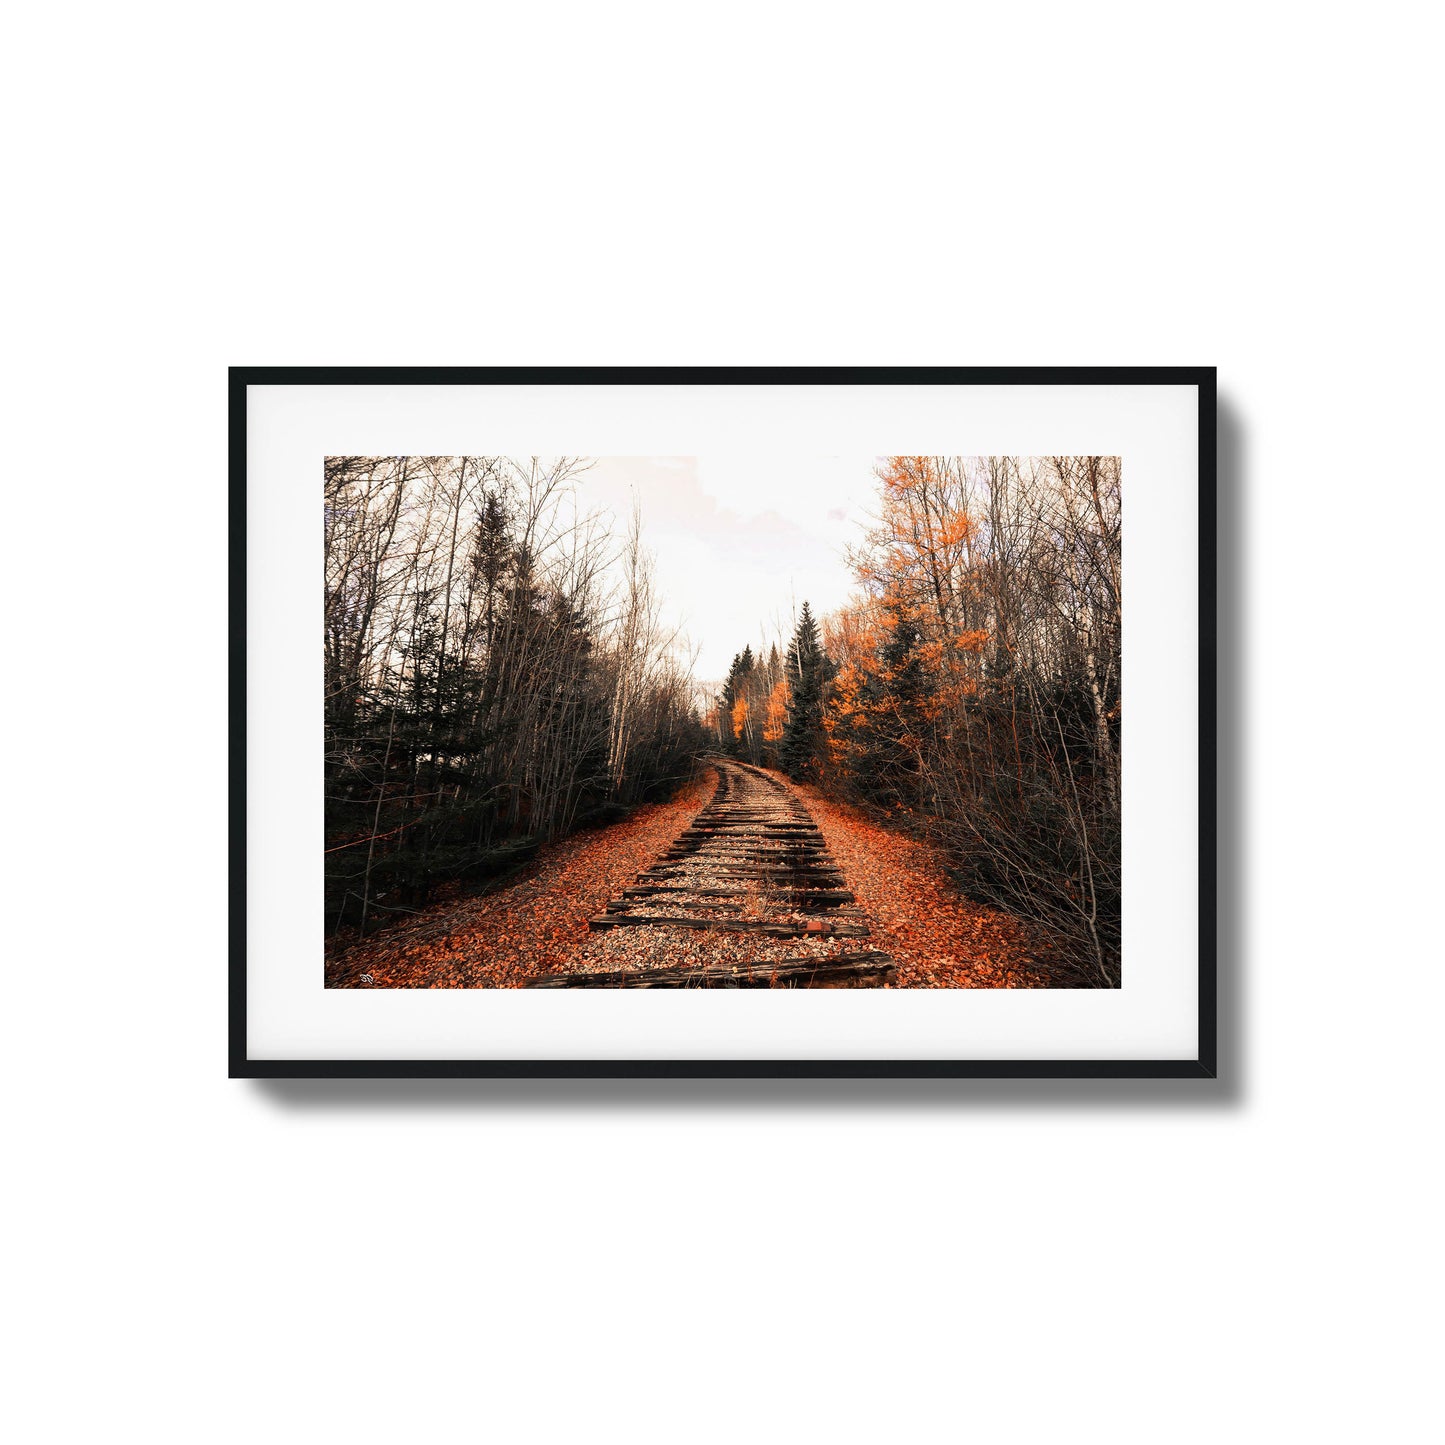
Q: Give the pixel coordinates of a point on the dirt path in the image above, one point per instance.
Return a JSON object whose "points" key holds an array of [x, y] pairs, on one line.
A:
{"points": [[537, 927], [747, 896]]}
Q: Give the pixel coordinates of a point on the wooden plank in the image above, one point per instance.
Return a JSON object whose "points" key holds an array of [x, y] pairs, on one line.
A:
{"points": [[844, 970], [818, 927], [825, 897], [795, 876], [683, 888], [724, 835]]}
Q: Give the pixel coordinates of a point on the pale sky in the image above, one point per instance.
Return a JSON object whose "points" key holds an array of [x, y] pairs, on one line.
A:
{"points": [[739, 542]]}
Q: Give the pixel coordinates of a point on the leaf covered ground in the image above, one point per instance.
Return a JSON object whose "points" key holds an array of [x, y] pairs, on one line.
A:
{"points": [[938, 938], [531, 925], [537, 923]]}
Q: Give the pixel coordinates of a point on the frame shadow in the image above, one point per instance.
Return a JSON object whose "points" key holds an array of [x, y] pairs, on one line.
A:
{"points": [[1227, 1092]]}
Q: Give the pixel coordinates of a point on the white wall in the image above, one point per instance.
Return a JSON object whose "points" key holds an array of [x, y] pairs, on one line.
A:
{"points": [[205, 1260]]}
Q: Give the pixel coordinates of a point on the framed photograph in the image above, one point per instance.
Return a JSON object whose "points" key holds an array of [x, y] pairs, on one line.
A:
{"points": [[835, 722]]}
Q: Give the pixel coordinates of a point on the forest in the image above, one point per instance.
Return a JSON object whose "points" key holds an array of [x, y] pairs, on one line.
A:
{"points": [[498, 674], [971, 691]]}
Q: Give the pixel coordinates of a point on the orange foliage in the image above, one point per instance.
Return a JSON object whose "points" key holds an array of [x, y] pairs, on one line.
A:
{"points": [[905, 474], [777, 714], [740, 716], [922, 543], [954, 530]]}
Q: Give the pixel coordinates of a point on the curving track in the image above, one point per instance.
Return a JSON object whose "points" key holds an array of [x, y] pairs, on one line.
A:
{"points": [[747, 897]]}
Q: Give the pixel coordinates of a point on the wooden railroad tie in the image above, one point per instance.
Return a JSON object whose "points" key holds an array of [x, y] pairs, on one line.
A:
{"points": [[822, 897], [816, 927], [724, 905], [843, 970]]}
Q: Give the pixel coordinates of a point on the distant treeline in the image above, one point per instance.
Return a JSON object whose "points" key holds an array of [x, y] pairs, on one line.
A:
{"points": [[495, 674], [972, 691]]}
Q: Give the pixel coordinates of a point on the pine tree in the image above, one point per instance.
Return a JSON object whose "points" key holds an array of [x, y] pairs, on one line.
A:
{"points": [[808, 672], [905, 684]]}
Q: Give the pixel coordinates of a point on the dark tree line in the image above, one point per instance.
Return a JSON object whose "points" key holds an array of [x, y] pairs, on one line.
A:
{"points": [[489, 680]]}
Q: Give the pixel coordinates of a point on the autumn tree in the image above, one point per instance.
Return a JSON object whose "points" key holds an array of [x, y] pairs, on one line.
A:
{"points": [[978, 694], [776, 719], [735, 704]]}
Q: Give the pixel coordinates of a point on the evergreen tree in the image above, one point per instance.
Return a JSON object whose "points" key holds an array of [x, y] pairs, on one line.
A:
{"points": [[808, 673], [905, 684]]}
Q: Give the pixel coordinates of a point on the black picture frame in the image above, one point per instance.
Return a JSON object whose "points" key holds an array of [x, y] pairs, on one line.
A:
{"points": [[1204, 1065]]}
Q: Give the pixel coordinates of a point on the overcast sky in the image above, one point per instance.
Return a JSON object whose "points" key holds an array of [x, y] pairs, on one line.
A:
{"points": [[739, 542]]}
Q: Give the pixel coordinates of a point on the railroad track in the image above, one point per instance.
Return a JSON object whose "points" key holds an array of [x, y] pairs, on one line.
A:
{"points": [[746, 897]]}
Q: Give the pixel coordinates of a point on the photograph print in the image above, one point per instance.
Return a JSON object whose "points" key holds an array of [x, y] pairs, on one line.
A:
{"points": [[722, 722]]}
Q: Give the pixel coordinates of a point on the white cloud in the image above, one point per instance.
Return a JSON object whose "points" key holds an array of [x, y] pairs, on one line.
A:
{"points": [[740, 541]]}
